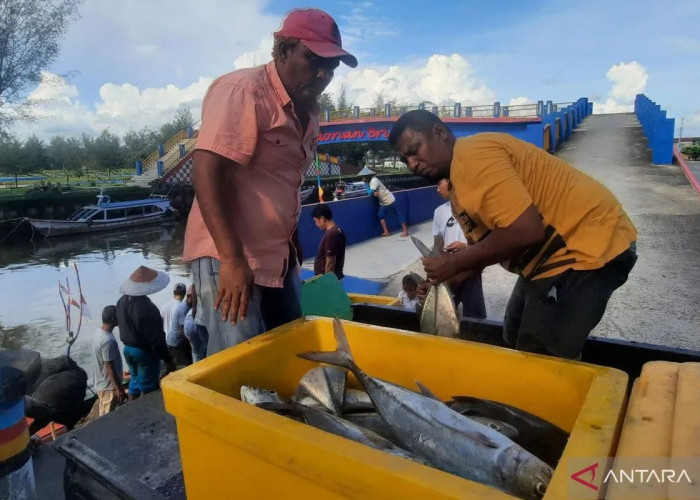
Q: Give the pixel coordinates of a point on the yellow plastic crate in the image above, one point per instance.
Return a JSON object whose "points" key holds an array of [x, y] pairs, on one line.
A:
{"points": [[358, 298], [233, 449]]}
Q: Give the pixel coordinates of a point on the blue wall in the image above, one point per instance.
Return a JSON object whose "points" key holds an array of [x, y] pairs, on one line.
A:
{"points": [[657, 128], [358, 216]]}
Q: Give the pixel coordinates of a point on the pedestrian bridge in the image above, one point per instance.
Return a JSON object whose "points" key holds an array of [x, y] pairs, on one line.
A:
{"points": [[546, 125]]}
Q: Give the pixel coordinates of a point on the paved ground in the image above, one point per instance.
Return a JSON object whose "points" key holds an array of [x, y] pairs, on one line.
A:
{"points": [[660, 303], [695, 168]]}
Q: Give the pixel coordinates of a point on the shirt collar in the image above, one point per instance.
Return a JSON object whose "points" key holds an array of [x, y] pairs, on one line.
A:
{"points": [[279, 89], [277, 84]]}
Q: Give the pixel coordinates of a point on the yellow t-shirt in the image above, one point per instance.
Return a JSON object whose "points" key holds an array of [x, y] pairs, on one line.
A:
{"points": [[496, 177]]}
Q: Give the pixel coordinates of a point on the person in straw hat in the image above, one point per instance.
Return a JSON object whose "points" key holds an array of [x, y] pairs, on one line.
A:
{"points": [[141, 330]]}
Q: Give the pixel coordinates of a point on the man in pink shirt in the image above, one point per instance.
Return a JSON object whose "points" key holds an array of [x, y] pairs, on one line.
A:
{"points": [[257, 138]]}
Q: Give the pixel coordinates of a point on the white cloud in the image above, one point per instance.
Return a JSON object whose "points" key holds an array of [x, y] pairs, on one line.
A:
{"points": [[58, 109], [442, 79], [362, 23], [629, 79], [259, 56], [519, 101]]}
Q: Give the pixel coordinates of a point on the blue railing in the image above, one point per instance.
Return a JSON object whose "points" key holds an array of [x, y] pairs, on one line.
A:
{"points": [[657, 128]]}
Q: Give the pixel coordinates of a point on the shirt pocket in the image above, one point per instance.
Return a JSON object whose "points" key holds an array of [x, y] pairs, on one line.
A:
{"points": [[280, 137]]}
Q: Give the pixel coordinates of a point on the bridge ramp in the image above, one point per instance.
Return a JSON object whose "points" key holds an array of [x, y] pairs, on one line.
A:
{"points": [[660, 302]]}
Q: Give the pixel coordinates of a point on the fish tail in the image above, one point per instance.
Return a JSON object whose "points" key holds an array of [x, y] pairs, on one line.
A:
{"points": [[340, 357]]}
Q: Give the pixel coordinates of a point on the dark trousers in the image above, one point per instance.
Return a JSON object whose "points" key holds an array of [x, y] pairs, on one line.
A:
{"points": [[181, 354], [555, 315], [471, 295]]}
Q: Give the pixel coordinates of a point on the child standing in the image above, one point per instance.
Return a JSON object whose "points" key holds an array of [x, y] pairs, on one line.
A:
{"points": [[107, 365]]}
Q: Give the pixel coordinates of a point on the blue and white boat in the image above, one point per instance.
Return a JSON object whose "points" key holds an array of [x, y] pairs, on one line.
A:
{"points": [[106, 214]]}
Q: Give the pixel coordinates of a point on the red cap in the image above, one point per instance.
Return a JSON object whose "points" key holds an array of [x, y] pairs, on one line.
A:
{"points": [[318, 32]]}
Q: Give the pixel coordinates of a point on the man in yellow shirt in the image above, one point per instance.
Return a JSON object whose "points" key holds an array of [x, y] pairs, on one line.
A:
{"points": [[561, 231]]}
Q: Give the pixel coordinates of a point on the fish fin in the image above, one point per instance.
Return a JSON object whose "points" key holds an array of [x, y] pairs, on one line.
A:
{"points": [[340, 357], [426, 392], [477, 436]]}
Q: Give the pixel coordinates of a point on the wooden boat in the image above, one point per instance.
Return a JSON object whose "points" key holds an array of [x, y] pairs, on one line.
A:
{"points": [[106, 214]]}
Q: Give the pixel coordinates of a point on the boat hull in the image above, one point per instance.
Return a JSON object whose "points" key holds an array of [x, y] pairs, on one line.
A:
{"points": [[50, 228]]}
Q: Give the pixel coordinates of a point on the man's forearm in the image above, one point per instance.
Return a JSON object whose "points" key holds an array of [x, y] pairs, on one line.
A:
{"points": [[209, 179], [111, 374], [330, 264], [462, 277]]}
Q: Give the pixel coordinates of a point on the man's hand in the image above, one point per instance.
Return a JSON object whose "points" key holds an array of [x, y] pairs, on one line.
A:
{"points": [[455, 246], [235, 286], [120, 394], [440, 268], [422, 292]]}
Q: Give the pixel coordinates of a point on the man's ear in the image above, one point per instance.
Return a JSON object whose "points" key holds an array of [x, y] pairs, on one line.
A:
{"points": [[439, 131], [285, 48]]}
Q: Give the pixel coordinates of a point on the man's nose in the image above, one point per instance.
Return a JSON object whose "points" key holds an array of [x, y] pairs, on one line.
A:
{"points": [[412, 163]]}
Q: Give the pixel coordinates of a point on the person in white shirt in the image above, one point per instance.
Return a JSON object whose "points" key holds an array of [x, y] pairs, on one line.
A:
{"points": [[387, 201], [167, 310], [449, 237], [408, 296]]}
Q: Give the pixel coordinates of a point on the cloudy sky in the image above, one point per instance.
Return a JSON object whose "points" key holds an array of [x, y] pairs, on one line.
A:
{"points": [[131, 66]]}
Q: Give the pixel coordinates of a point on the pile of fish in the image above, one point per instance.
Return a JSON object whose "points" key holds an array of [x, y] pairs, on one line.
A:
{"points": [[480, 440]]}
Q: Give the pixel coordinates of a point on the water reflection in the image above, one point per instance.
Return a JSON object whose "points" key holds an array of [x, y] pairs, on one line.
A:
{"points": [[31, 313]]}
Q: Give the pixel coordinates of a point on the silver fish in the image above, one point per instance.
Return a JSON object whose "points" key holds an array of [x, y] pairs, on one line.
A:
{"points": [[312, 403], [344, 428], [326, 384], [540, 437], [506, 429], [439, 314], [356, 401], [255, 395], [445, 438], [372, 421]]}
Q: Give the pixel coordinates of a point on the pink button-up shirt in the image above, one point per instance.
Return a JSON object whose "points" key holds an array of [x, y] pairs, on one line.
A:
{"points": [[248, 117]]}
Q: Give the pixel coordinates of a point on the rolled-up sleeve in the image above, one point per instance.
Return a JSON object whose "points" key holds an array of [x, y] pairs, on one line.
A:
{"points": [[229, 122]]}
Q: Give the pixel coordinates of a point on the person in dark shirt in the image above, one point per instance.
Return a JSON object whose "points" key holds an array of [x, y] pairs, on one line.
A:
{"points": [[141, 330], [331, 250]]}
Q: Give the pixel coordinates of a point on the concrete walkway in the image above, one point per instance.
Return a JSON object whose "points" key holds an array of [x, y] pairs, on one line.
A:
{"points": [[660, 303], [695, 168]]}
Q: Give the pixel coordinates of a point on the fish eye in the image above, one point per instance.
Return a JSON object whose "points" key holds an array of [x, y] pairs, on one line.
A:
{"points": [[540, 488]]}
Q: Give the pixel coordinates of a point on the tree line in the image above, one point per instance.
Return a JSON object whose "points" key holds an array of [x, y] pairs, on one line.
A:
{"points": [[76, 156]]}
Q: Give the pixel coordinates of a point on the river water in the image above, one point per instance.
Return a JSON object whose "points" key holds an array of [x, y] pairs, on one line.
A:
{"points": [[31, 312]]}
